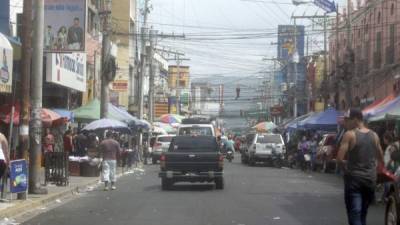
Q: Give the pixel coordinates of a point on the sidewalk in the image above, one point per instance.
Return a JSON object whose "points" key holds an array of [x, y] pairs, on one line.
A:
{"points": [[76, 185]]}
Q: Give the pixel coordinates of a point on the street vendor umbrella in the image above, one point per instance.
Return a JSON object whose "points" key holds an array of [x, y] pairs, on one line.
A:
{"points": [[167, 127], [265, 127], [106, 124], [170, 118]]}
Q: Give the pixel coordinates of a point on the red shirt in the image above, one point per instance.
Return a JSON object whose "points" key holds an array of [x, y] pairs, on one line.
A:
{"points": [[68, 146]]}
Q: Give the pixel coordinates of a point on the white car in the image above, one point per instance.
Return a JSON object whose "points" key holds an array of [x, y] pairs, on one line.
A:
{"points": [[196, 129], [263, 148], [161, 144]]}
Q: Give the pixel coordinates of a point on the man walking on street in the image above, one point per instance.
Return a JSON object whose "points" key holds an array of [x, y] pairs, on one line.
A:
{"points": [[109, 148], [362, 148]]}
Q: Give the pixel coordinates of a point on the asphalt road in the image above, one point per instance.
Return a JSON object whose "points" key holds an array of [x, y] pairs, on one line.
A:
{"points": [[253, 196]]}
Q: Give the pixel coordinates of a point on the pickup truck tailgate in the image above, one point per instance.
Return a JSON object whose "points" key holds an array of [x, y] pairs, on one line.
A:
{"points": [[192, 161]]}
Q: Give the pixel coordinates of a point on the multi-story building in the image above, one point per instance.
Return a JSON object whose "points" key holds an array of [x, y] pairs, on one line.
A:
{"points": [[124, 26], [374, 57], [201, 93], [315, 77], [179, 81]]}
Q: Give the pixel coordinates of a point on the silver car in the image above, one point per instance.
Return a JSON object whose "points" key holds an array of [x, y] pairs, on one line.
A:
{"points": [[161, 145]]}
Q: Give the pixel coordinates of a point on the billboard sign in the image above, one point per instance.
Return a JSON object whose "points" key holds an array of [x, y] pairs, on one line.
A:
{"points": [[64, 25], [328, 6], [6, 65], [18, 176], [5, 17], [67, 69], [286, 39]]}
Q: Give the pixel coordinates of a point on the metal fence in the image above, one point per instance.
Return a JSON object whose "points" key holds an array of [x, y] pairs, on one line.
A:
{"points": [[56, 168]]}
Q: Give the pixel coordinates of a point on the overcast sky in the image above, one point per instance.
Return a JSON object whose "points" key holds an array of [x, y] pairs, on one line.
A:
{"points": [[228, 36]]}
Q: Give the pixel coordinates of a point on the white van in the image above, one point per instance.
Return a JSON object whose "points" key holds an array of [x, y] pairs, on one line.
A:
{"points": [[196, 129]]}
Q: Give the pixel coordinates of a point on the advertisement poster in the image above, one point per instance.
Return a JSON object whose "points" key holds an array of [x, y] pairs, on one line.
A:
{"points": [[64, 24], [18, 176], [6, 65], [68, 70], [286, 39]]}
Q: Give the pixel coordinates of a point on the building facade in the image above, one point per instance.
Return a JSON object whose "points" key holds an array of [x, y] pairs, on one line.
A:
{"points": [[374, 57], [124, 25]]}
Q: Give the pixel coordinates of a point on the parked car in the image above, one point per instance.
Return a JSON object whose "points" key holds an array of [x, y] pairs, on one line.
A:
{"points": [[326, 153], [192, 159], [161, 144], [264, 148]]}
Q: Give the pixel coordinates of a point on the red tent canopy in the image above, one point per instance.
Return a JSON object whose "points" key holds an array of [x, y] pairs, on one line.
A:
{"points": [[5, 113], [49, 117], [379, 103]]}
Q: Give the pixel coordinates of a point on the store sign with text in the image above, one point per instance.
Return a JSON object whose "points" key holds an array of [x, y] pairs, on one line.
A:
{"points": [[6, 65], [68, 70], [120, 85]]}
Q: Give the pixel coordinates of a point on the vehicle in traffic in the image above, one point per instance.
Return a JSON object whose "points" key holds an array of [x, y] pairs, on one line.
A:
{"points": [[196, 126], [192, 159], [264, 148], [326, 153], [230, 155], [160, 145]]}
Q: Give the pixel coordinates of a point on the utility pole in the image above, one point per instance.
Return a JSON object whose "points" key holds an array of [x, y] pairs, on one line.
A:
{"points": [[325, 71], [153, 40], [25, 83], [35, 155], [105, 59], [142, 72], [325, 79], [177, 88], [143, 54], [337, 86], [348, 59], [295, 71]]}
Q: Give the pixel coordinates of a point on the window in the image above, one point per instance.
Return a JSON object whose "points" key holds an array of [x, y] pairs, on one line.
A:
{"points": [[392, 9], [379, 17]]}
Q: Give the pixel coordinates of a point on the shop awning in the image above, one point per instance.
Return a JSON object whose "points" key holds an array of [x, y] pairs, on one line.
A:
{"points": [[383, 109], [323, 121], [390, 111], [91, 112], [65, 113], [49, 117], [370, 110], [294, 122]]}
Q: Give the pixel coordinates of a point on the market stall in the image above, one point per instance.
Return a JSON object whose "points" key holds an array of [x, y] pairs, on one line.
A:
{"points": [[89, 165]]}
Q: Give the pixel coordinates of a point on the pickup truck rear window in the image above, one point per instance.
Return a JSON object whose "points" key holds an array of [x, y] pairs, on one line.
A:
{"points": [[274, 139], [194, 144]]}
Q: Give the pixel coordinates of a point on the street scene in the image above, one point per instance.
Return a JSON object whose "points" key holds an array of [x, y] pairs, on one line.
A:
{"points": [[239, 112]]}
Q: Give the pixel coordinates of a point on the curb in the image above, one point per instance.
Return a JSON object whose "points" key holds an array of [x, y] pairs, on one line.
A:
{"points": [[23, 207]]}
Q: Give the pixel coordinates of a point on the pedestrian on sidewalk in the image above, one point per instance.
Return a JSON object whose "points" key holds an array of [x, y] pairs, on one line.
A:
{"points": [[48, 141], [359, 151], [4, 157], [109, 148], [68, 142]]}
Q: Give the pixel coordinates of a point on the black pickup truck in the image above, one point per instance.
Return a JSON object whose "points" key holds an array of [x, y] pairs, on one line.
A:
{"points": [[192, 159]]}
